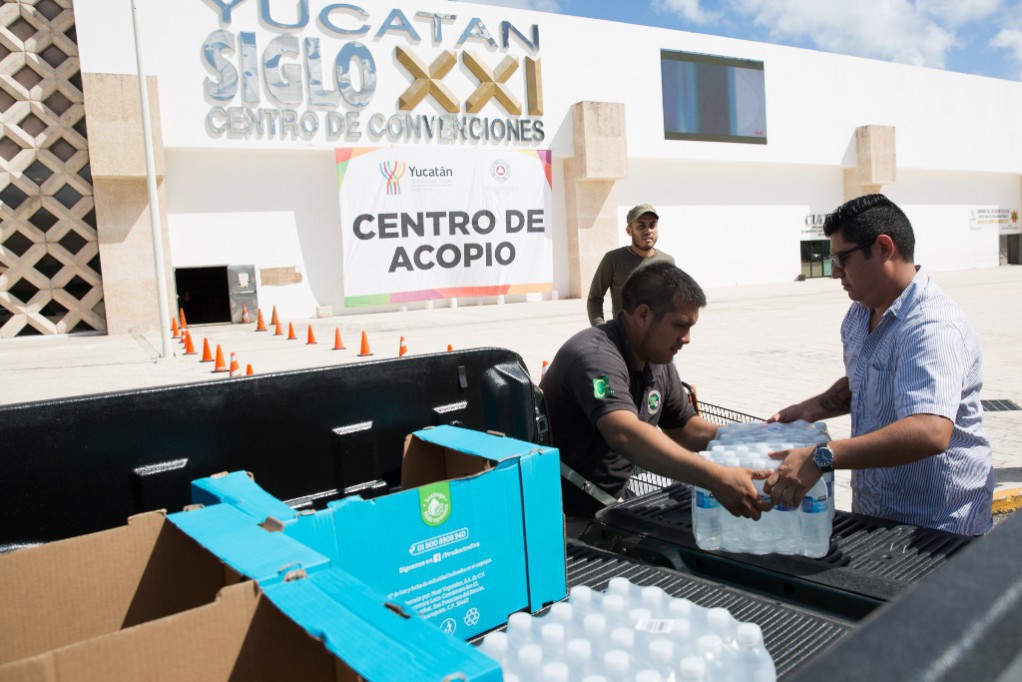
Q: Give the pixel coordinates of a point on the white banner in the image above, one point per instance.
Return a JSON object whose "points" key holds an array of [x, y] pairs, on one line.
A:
{"points": [[423, 224], [1005, 219]]}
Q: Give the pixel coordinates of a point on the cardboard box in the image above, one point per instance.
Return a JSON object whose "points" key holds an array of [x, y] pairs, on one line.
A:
{"points": [[475, 534], [71, 590], [74, 589], [250, 633]]}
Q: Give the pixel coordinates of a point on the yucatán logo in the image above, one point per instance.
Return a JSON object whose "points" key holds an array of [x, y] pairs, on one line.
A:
{"points": [[392, 172], [653, 401], [435, 503], [500, 170]]}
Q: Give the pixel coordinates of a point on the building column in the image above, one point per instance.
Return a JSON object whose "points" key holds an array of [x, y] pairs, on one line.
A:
{"points": [[113, 114], [876, 161], [590, 197]]}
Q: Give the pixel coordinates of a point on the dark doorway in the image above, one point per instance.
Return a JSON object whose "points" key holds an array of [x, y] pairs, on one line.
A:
{"points": [[816, 258], [203, 294]]}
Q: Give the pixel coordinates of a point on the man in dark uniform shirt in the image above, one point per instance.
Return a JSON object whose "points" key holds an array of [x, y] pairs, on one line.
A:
{"points": [[610, 387]]}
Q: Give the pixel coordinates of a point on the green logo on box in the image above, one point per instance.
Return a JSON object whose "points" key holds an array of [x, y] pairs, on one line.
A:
{"points": [[435, 503]]}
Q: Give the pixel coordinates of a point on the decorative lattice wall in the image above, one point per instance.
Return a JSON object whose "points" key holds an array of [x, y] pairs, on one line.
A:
{"points": [[49, 254]]}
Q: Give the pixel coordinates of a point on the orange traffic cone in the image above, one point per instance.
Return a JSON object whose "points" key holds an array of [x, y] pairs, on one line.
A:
{"points": [[542, 372], [245, 319], [365, 347], [189, 346], [277, 331], [220, 365], [206, 355], [273, 317], [450, 348], [173, 328], [181, 314], [248, 370], [291, 332], [260, 322], [338, 344], [310, 338], [402, 348], [235, 367]]}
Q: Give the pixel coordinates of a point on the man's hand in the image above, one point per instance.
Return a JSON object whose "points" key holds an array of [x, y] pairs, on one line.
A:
{"points": [[792, 413], [794, 476], [736, 493]]}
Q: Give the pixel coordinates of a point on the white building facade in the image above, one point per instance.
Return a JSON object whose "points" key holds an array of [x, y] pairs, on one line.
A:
{"points": [[252, 98]]}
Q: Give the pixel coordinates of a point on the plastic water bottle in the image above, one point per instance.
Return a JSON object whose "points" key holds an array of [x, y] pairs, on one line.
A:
{"points": [[552, 636], [594, 626], [752, 662], [616, 665], [712, 651], [764, 535], [661, 654], [788, 522], [519, 629], [732, 539], [655, 599], [529, 663], [691, 669], [706, 516], [721, 623], [495, 645], [579, 654], [816, 525], [555, 671]]}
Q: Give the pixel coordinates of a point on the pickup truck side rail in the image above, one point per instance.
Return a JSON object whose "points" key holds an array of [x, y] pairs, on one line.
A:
{"points": [[83, 464]]}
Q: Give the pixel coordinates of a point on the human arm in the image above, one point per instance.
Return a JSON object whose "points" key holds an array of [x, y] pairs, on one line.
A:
{"points": [[836, 401], [602, 279], [695, 435], [904, 441], [650, 448]]}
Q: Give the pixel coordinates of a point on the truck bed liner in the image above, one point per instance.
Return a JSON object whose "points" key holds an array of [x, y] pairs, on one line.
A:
{"points": [[870, 561]]}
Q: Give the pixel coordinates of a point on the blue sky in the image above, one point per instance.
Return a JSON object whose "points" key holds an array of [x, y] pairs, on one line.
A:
{"points": [[982, 37]]}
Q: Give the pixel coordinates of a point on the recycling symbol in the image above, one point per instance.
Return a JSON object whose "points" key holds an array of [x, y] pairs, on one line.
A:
{"points": [[472, 616]]}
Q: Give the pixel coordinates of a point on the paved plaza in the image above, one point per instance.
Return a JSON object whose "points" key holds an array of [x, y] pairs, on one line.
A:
{"points": [[755, 349]]}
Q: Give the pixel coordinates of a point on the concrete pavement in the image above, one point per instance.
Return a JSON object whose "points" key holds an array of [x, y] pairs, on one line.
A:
{"points": [[755, 349]]}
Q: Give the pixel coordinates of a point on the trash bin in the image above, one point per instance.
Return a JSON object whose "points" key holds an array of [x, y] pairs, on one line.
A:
{"points": [[241, 287]]}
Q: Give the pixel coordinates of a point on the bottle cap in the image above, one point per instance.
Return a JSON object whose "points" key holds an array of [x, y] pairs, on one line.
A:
{"points": [[749, 634], [530, 656], [691, 668]]}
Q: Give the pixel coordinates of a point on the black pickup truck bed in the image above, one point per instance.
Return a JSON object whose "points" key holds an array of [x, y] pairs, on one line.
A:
{"points": [[78, 465]]}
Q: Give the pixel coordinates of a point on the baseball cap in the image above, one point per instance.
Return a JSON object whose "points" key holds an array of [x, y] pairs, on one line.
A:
{"points": [[640, 210]]}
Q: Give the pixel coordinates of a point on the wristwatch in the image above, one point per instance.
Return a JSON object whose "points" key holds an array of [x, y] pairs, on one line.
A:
{"points": [[823, 457]]}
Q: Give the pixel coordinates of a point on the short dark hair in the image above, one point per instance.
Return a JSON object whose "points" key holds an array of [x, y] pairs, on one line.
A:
{"points": [[656, 285], [867, 217]]}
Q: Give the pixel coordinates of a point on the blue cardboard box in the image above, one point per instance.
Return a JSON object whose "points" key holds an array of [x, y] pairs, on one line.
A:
{"points": [[475, 534], [374, 636]]}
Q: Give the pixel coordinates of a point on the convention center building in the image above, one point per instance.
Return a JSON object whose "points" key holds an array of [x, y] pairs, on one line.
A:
{"points": [[327, 158]]}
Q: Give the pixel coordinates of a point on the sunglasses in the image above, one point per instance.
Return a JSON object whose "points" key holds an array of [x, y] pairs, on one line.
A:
{"points": [[837, 259]]}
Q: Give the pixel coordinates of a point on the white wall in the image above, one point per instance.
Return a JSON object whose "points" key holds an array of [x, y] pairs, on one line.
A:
{"points": [[938, 205], [270, 209]]}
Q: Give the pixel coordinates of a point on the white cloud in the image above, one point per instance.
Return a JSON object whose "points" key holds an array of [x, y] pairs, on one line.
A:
{"points": [[538, 5], [690, 10], [958, 12], [897, 30], [1010, 39]]}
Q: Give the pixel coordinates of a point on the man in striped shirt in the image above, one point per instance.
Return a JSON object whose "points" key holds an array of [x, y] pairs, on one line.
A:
{"points": [[912, 381]]}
